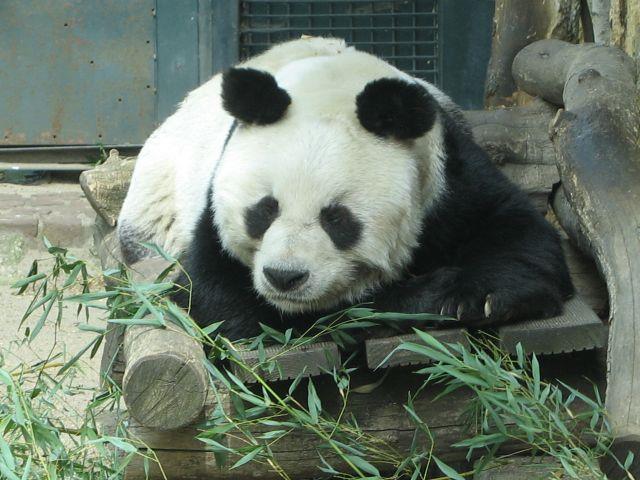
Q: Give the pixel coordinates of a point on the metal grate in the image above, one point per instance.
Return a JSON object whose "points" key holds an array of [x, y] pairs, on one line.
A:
{"points": [[403, 32]]}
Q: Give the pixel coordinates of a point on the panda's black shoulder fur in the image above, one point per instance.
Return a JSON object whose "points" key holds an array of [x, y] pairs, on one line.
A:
{"points": [[485, 255]]}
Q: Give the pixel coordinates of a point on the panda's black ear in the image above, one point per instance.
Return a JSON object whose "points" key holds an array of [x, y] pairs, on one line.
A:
{"points": [[253, 96], [391, 107]]}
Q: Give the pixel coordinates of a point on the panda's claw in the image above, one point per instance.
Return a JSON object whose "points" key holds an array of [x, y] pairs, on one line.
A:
{"points": [[488, 306]]}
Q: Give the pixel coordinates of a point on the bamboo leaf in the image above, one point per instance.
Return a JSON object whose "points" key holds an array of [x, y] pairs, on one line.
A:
{"points": [[362, 464], [313, 402], [247, 458], [25, 282], [40, 323], [447, 470], [77, 356]]}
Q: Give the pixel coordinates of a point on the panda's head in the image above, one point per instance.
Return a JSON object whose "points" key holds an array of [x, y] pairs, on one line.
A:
{"points": [[322, 193]]}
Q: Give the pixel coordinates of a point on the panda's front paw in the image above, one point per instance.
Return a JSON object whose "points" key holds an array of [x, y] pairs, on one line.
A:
{"points": [[477, 307]]}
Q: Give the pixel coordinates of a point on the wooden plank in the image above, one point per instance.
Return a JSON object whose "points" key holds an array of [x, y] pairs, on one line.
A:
{"points": [[578, 328], [378, 349], [314, 359]]}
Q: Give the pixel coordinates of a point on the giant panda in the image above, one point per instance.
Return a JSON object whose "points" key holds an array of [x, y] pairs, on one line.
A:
{"points": [[316, 176]]}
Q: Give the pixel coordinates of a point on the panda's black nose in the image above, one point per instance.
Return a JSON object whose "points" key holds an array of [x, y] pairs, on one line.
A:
{"points": [[285, 280]]}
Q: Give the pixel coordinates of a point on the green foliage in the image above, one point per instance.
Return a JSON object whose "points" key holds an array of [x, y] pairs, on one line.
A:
{"points": [[511, 401]]}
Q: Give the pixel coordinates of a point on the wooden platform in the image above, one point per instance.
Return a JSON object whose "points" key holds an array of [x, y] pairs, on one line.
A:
{"points": [[577, 329]]}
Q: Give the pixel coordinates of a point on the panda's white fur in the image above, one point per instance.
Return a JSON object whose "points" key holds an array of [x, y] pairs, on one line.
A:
{"points": [[174, 167], [318, 153]]}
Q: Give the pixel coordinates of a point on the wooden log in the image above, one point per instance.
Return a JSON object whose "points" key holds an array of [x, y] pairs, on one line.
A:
{"points": [[599, 10], [532, 178], [624, 17], [543, 68], [518, 23], [570, 222], [515, 135], [598, 151], [589, 284], [106, 185], [165, 382]]}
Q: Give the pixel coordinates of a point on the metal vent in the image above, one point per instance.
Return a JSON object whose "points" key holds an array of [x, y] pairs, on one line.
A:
{"points": [[403, 32]]}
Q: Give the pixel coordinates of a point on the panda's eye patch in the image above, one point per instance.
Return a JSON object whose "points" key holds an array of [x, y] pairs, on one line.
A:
{"points": [[259, 218], [341, 225]]}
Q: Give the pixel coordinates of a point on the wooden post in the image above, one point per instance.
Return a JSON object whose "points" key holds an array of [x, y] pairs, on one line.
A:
{"points": [[165, 381], [106, 185], [597, 143]]}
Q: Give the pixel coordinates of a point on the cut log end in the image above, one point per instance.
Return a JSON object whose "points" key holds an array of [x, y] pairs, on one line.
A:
{"points": [[165, 382]]}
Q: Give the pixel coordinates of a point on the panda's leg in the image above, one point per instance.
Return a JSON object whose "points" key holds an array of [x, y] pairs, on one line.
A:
{"points": [[501, 277]]}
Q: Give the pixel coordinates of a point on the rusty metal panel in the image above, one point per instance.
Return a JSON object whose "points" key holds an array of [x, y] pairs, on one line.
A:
{"points": [[77, 72]]}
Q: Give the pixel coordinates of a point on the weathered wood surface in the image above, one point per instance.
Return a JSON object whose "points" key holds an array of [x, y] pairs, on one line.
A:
{"points": [[106, 185], [578, 328], [313, 359], [515, 135], [570, 222], [597, 141], [379, 413], [112, 364], [517, 141], [518, 23], [165, 382], [590, 286], [379, 350], [527, 467]]}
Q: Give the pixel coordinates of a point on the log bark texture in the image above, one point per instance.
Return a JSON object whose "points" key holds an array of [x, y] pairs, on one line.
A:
{"points": [[599, 10], [624, 17], [517, 23], [597, 142]]}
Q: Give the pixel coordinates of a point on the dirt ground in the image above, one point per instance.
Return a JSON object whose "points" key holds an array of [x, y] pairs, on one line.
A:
{"points": [[27, 212]]}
